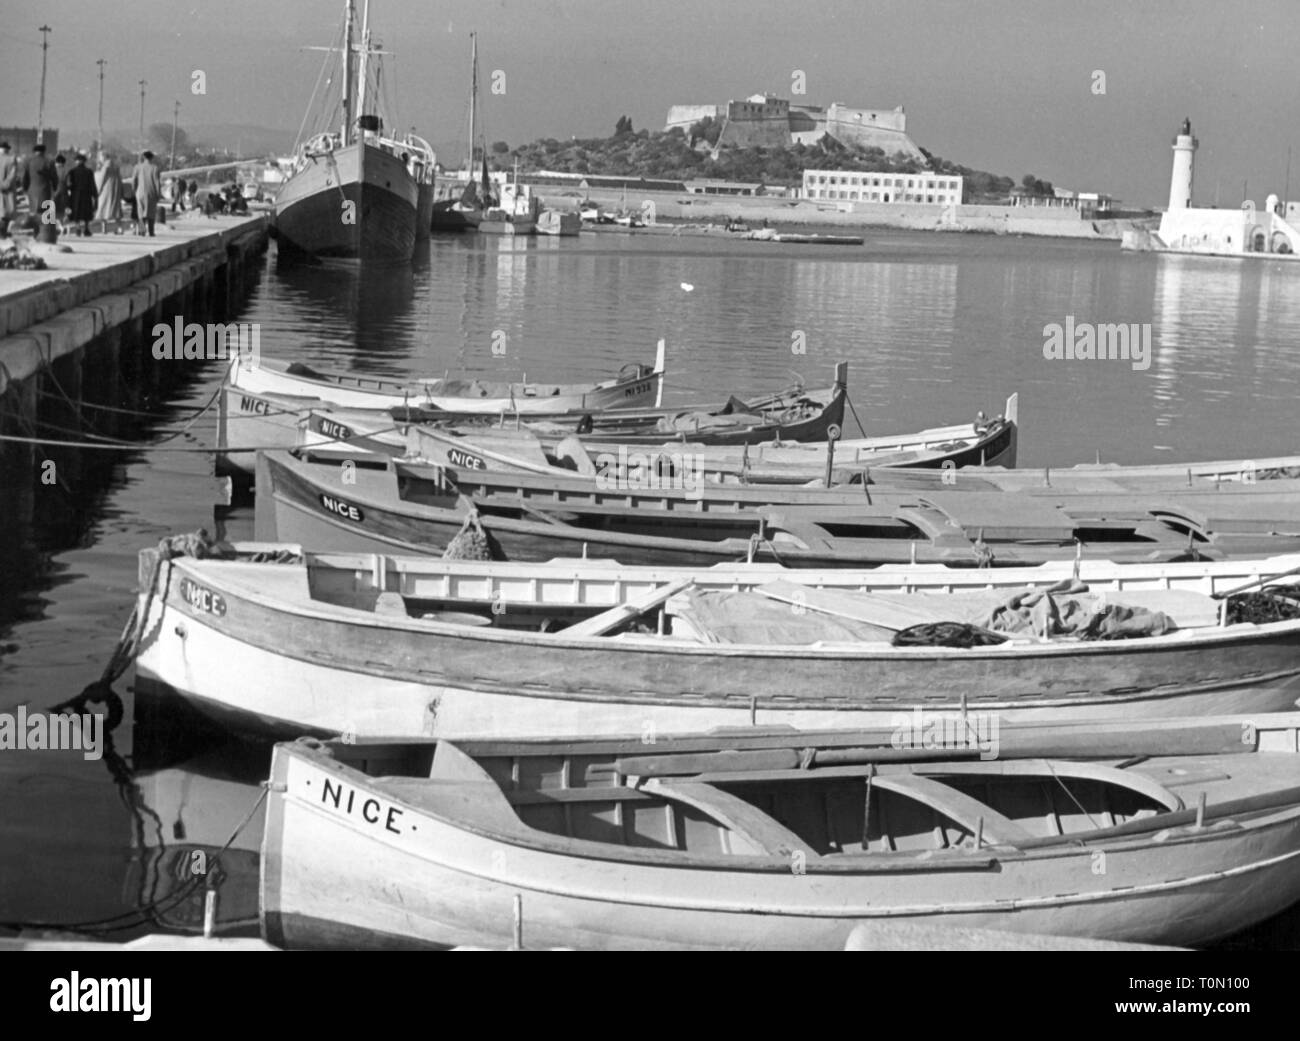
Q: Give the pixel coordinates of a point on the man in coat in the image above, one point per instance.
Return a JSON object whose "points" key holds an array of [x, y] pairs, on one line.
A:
{"points": [[148, 191], [61, 188], [8, 188], [82, 195], [40, 181]]}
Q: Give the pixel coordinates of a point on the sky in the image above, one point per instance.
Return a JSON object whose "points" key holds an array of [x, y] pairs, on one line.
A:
{"points": [[1008, 86]]}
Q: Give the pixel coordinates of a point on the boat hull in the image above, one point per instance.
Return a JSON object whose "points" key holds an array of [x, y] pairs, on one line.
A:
{"points": [[288, 666], [661, 526], [358, 203], [332, 877], [344, 391]]}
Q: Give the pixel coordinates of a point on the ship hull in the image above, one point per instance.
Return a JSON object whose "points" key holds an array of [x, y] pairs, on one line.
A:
{"points": [[358, 203]]}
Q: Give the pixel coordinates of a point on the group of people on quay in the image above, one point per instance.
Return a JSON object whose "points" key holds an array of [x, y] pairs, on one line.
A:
{"points": [[69, 195]]}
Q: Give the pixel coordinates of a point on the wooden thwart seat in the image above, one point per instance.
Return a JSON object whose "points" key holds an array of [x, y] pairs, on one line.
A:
{"points": [[968, 812], [744, 819]]}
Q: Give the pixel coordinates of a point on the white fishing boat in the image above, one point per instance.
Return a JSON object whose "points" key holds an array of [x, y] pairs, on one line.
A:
{"points": [[1173, 833], [378, 645]]}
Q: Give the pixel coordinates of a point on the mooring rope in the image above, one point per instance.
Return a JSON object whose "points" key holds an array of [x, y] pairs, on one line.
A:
{"points": [[151, 912], [141, 446]]}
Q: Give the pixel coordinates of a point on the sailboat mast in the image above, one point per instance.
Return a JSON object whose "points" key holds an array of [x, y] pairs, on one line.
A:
{"points": [[364, 70], [473, 100], [349, 16]]}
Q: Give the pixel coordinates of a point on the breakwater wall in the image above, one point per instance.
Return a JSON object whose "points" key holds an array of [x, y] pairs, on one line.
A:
{"points": [[1045, 221]]}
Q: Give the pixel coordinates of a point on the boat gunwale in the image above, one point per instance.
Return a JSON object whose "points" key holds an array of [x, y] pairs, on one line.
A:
{"points": [[1240, 633], [1156, 835]]}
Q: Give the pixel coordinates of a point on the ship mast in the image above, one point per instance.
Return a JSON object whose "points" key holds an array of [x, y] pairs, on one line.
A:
{"points": [[364, 70], [473, 101], [349, 18]]}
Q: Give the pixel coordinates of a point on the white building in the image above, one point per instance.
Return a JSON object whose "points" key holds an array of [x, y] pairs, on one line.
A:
{"points": [[856, 186], [1240, 232]]}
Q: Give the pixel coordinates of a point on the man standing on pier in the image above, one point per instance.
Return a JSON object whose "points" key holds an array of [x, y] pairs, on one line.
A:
{"points": [[40, 181], [82, 195], [8, 188], [148, 190]]}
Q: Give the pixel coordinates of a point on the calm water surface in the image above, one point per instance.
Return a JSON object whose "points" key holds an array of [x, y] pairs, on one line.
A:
{"points": [[934, 327]]}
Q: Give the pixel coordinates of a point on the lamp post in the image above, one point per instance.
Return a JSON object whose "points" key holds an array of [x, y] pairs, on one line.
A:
{"points": [[100, 142], [142, 140], [45, 31], [176, 115]]}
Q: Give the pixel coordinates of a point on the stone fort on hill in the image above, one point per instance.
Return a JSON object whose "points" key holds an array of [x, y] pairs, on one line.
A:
{"points": [[764, 119]]}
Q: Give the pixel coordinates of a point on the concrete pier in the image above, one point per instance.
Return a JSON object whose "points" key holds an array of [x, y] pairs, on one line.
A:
{"points": [[109, 280]]}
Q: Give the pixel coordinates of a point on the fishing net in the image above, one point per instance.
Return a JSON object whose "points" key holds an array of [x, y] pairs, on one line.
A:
{"points": [[945, 634], [471, 542], [1277, 605]]}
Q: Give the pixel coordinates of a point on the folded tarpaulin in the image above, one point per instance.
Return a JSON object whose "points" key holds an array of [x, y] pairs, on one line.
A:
{"points": [[1070, 610]]}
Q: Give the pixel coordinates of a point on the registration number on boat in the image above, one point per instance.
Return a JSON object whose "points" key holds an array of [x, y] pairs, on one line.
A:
{"points": [[636, 390], [459, 457], [342, 508], [201, 598]]}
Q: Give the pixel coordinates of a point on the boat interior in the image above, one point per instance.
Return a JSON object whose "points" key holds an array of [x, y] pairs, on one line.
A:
{"points": [[859, 795]]}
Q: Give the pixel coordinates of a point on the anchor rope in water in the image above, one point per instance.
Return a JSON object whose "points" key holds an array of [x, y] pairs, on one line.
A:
{"points": [[199, 546], [849, 401], [148, 914], [140, 446]]}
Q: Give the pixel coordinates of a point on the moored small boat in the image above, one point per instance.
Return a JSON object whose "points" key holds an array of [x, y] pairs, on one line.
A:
{"points": [[558, 222], [376, 645], [755, 839], [635, 385], [656, 515]]}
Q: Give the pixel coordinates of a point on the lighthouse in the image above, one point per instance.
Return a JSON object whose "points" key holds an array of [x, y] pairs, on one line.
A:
{"points": [[1180, 183]]}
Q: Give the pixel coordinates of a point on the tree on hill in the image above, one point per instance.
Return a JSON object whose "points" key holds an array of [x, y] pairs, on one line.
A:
{"points": [[500, 148], [707, 129], [623, 127], [1034, 186]]}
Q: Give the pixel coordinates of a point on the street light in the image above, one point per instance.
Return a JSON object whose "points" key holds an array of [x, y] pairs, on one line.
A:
{"points": [[176, 115], [101, 63], [45, 31]]}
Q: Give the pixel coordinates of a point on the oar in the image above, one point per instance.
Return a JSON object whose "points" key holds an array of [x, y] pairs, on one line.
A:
{"points": [[1256, 582]]}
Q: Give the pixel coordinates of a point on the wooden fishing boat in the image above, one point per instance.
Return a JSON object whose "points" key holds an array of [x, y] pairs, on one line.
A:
{"points": [[273, 420], [635, 384], [268, 420], [338, 500], [405, 647], [1177, 833], [522, 450]]}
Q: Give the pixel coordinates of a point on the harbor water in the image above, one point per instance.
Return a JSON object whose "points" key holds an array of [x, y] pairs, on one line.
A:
{"points": [[935, 327]]}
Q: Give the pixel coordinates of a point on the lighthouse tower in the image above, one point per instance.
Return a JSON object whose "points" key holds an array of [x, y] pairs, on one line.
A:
{"points": [[1180, 183]]}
